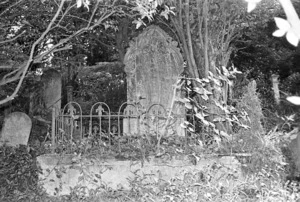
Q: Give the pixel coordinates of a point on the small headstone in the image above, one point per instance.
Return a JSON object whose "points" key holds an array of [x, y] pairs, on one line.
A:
{"points": [[52, 89], [16, 129]]}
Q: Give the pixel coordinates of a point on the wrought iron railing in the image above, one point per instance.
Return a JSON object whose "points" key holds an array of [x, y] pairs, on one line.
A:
{"points": [[111, 128]]}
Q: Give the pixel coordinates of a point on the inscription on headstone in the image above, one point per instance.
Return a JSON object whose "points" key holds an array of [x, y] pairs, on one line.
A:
{"points": [[153, 63], [16, 129]]}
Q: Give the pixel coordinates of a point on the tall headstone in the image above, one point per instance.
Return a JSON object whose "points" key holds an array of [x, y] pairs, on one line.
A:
{"points": [[16, 129], [52, 84], [153, 63]]}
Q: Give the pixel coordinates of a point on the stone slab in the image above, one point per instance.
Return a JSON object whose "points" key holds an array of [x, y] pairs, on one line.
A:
{"points": [[60, 173]]}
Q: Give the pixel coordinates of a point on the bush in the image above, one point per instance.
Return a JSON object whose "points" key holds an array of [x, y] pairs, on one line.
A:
{"points": [[18, 175]]}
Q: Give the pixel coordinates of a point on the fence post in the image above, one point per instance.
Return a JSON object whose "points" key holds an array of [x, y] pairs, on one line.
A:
{"points": [[53, 130]]}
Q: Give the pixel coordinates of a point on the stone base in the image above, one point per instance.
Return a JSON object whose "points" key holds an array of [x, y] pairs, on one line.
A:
{"points": [[61, 173]]}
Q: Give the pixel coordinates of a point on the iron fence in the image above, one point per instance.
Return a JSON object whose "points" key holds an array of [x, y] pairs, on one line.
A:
{"points": [[102, 128]]}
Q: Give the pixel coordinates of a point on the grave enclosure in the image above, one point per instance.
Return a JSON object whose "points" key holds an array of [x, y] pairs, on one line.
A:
{"points": [[152, 64]]}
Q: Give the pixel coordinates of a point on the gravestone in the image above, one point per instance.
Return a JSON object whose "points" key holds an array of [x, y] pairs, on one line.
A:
{"points": [[16, 129], [153, 63], [52, 83]]}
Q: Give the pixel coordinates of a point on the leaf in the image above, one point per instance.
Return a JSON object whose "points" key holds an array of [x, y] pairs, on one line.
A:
{"points": [[198, 90], [165, 15], [291, 117], [218, 119], [186, 100], [292, 38], [79, 3], [217, 82], [205, 97], [294, 100], [251, 5], [205, 80], [191, 129], [188, 105], [207, 92], [216, 131], [212, 125], [224, 134], [205, 122], [138, 23], [293, 137], [282, 24], [86, 4], [198, 80], [183, 125], [217, 139], [200, 116], [279, 33]]}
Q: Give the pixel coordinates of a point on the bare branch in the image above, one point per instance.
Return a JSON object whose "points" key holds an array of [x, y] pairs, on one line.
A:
{"points": [[30, 60], [40, 57], [4, 2], [10, 7], [93, 14], [21, 71], [12, 39]]}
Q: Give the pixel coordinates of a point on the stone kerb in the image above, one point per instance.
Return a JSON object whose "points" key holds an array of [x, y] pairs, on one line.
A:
{"points": [[16, 129], [116, 174]]}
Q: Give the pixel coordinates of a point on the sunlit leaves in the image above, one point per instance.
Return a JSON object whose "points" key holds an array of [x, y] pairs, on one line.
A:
{"points": [[290, 118], [203, 114], [187, 125], [294, 100], [203, 92], [84, 3], [167, 11], [188, 105], [284, 27], [218, 119], [138, 23], [252, 4], [292, 38]]}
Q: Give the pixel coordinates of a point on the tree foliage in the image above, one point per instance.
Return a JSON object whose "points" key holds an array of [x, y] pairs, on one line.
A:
{"points": [[38, 31]]}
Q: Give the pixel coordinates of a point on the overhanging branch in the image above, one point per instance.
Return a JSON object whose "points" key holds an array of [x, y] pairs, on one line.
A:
{"points": [[30, 60], [12, 39]]}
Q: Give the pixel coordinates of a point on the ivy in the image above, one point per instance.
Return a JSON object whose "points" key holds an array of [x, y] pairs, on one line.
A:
{"points": [[200, 100], [18, 175]]}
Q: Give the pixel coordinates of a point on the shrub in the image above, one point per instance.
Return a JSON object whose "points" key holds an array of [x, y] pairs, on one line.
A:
{"points": [[247, 140], [18, 175]]}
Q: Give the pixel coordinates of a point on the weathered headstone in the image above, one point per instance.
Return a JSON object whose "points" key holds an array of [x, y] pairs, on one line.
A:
{"points": [[153, 63], [52, 89], [16, 129]]}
